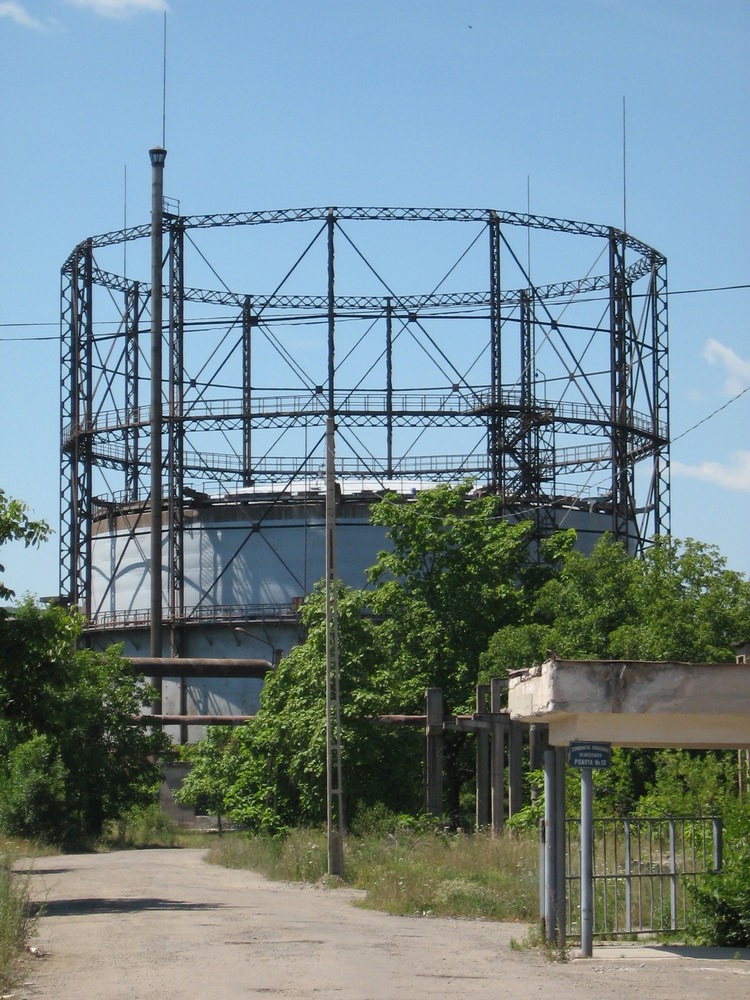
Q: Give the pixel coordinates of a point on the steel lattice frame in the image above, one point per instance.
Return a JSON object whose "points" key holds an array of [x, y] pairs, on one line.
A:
{"points": [[606, 416]]}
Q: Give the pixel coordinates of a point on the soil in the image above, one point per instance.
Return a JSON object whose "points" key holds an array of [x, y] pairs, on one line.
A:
{"points": [[165, 925]]}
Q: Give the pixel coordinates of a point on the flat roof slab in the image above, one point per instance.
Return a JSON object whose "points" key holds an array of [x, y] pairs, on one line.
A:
{"points": [[635, 703]]}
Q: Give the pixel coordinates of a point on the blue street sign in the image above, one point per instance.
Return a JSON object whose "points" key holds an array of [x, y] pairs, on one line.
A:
{"points": [[584, 754]]}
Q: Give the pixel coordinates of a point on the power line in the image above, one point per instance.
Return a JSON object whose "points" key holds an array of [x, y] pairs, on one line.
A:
{"points": [[713, 414], [38, 326]]}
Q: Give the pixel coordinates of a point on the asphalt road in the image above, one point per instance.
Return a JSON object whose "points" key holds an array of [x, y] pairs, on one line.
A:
{"points": [[164, 925]]}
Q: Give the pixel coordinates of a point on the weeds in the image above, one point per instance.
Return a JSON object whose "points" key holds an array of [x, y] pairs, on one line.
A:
{"points": [[141, 827], [16, 921], [407, 871]]}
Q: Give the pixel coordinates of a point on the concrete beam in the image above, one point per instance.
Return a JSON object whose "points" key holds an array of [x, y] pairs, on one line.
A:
{"points": [[636, 704]]}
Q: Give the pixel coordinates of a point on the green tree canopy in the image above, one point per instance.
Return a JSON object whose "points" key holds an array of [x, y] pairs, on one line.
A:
{"points": [[678, 601], [72, 752], [460, 596], [456, 572], [17, 526]]}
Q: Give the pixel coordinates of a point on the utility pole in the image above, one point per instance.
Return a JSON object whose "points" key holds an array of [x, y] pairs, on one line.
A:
{"points": [[334, 798]]}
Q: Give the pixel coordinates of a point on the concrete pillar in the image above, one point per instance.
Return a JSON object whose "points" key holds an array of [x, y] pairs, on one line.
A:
{"points": [[434, 752]]}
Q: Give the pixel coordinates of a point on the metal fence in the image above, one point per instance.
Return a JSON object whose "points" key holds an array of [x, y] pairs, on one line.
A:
{"points": [[644, 871]]}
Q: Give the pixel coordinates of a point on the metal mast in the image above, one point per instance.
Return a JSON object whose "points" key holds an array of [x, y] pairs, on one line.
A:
{"points": [[157, 155]]}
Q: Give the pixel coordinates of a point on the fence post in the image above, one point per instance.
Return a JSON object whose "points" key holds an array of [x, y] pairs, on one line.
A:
{"points": [[628, 879], [718, 844], [587, 881], [672, 875], [550, 847], [560, 883]]}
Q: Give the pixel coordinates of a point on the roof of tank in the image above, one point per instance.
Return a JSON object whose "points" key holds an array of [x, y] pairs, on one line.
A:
{"points": [[317, 487]]}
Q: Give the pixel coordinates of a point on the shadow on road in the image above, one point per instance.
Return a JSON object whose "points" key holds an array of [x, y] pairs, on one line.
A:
{"points": [[98, 904]]}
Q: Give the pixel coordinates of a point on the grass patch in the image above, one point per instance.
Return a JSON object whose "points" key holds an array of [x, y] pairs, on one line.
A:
{"points": [[150, 827], [16, 920], [407, 872]]}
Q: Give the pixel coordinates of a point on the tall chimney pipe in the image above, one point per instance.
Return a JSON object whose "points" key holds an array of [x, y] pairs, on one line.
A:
{"points": [[157, 155]]}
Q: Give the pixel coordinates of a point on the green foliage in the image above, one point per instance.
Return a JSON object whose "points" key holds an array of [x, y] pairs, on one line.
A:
{"points": [[618, 789], [141, 826], [723, 899], [73, 755], [689, 783], [270, 773], [455, 575], [212, 772], [32, 790], [407, 870], [17, 526], [687, 606], [678, 601]]}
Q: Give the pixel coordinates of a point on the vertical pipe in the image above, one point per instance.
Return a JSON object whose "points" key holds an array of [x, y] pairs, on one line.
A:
{"points": [[550, 847], [157, 156], [247, 361], [587, 844], [496, 428], [331, 314], [672, 875], [560, 882]]}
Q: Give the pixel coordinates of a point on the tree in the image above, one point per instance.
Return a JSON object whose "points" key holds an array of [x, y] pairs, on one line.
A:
{"points": [[72, 752], [457, 572], [453, 574], [17, 526], [270, 773], [678, 601]]}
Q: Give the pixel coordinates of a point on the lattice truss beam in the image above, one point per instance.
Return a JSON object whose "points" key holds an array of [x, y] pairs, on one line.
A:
{"points": [[444, 342]]}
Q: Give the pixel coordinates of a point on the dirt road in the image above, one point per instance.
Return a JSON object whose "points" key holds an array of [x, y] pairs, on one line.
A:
{"points": [[164, 925]]}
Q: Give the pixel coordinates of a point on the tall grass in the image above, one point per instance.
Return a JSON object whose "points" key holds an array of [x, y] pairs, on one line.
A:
{"points": [[407, 872], [16, 921]]}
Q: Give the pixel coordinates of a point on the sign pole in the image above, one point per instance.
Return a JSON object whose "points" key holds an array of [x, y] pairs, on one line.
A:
{"points": [[586, 756], [587, 842]]}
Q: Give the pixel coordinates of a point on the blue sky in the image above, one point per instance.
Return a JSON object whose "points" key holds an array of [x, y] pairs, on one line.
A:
{"points": [[450, 103]]}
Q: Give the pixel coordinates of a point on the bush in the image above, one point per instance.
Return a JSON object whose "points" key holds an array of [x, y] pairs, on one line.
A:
{"points": [[32, 795], [142, 826], [723, 899]]}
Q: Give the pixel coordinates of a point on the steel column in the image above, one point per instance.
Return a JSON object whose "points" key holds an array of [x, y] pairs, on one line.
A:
{"points": [[496, 425], [620, 375], [176, 436], [132, 366], [248, 322], [157, 156]]}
